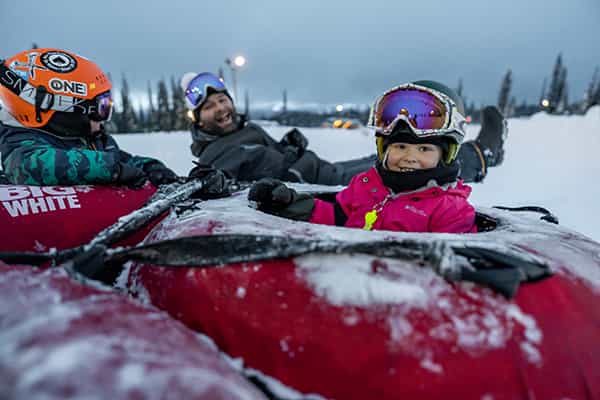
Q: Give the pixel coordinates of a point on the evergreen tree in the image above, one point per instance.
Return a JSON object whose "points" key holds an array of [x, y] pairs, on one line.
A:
{"points": [[565, 97], [588, 98], [460, 92], [504, 96], [459, 89], [178, 114], [151, 124], [127, 119], [556, 95], [555, 82], [162, 109], [562, 99], [142, 123], [596, 96]]}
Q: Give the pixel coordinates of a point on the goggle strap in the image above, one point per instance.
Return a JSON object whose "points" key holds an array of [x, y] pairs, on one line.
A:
{"points": [[10, 80]]}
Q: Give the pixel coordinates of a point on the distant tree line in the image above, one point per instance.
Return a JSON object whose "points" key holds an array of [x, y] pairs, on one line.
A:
{"points": [[554, 98], [167, 112]]}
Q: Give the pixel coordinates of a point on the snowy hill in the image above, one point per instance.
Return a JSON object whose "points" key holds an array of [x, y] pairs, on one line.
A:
{"points": [[550, 161]]}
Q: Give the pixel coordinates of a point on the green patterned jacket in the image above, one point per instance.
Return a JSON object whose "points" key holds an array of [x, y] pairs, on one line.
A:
{"points": [[36, 157]]}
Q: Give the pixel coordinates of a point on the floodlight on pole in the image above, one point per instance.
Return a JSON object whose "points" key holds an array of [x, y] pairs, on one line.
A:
{"points": [[234, 64], [239, 61]]}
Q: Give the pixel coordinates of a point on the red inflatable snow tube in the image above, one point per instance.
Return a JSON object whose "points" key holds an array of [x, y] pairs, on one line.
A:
{"points": [[467, 343], [39, 218], [60, 339]]}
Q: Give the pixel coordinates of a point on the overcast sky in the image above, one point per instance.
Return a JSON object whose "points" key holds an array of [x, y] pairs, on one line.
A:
{"points": [[326, 51]]}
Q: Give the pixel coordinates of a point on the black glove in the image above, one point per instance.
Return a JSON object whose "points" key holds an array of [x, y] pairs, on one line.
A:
{"points": [[216, 184], [131, 176], [295, 139], [273, 197], [200, 171], [4, 179], [158, 174]]}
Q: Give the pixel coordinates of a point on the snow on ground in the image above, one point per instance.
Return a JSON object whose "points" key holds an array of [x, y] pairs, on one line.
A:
{"points": [[550, 161]]}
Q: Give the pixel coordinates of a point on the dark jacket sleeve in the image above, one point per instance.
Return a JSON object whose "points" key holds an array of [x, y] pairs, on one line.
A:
{"points": [[30, 159], [252, 162], [248, 154]]}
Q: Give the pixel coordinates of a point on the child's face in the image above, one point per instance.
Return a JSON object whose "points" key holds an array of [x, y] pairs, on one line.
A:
{"points": [[404, 157]]}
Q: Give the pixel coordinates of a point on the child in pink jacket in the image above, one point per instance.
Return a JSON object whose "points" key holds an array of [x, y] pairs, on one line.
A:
{"points": [[413, 187]]}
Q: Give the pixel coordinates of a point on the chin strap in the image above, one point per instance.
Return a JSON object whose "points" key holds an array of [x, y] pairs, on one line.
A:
{"points": [[42, 96]]}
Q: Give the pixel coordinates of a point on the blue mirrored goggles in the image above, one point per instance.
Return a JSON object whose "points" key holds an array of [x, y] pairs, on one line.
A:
{"points": [[427, 112], [196, 91], [103, 107]]}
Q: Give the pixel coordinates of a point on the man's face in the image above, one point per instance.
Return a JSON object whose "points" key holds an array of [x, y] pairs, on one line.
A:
{"points": [[217, 114]]}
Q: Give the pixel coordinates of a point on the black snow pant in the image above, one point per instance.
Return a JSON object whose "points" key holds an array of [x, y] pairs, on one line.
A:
{"points": [[311, 169]]}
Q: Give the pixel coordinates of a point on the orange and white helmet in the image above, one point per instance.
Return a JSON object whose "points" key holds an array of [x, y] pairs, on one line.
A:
{"points": [[36, 84]]}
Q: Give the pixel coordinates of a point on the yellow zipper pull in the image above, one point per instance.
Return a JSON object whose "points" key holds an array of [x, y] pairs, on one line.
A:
{"points": [[370, 219]]}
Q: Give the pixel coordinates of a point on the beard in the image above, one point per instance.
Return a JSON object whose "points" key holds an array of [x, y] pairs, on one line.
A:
{"points": [[214, 128]]}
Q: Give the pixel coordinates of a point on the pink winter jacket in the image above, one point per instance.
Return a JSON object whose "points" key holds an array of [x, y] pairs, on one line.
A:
{"points": [[431, 209]]}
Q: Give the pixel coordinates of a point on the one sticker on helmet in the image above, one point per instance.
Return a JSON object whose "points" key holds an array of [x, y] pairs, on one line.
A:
{"points": [[69, 87], [59, 61]]}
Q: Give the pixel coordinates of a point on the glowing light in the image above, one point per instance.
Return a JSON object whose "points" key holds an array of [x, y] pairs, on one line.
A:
{"points": [[545, 103], [339, 108], [337, 123], [239, 61], [347, 125]]}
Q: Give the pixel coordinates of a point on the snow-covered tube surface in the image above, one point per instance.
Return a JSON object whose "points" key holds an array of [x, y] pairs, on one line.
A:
{"points": [[61, 339], [40, 218], [352, 326]]}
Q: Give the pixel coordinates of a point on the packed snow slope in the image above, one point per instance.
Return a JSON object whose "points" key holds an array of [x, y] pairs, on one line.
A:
{"points": [[550, 161]]}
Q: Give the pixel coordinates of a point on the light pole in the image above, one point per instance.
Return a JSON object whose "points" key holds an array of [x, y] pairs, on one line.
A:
{"points": [[234, 65]]}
